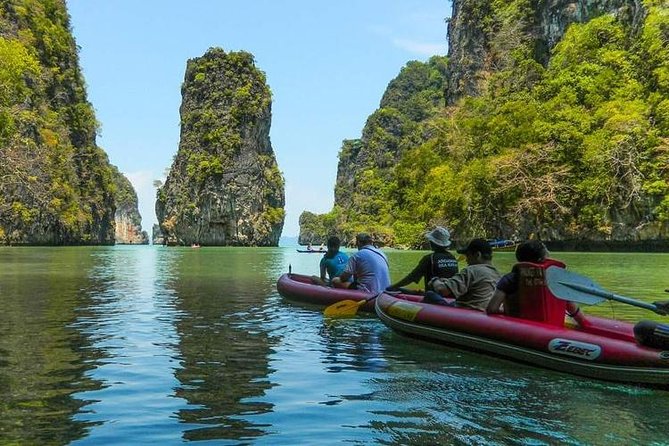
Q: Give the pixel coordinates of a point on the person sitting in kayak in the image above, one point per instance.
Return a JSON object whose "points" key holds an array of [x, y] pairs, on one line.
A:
{"points": [[368, 266], [333, 262], [533, 251], [474, 285], [505, 298], [440, 263]]}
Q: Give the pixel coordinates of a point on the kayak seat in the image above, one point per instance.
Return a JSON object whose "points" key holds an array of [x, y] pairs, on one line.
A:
{"points": [[535, 301]]}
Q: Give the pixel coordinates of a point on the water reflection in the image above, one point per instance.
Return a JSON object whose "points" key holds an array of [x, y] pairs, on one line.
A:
{"points": [[352, 345], [223, 347], [44, 358], [449, 396]]}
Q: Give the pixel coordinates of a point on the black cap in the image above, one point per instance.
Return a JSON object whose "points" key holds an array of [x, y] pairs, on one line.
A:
{"points": [[477, 245]]}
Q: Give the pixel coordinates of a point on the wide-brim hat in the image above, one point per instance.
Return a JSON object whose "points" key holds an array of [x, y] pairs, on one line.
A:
{"points": [[439, 236]]}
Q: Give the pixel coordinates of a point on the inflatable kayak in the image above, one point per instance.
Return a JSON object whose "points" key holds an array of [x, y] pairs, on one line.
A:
{"points": [[595, 347], [300, 288]]}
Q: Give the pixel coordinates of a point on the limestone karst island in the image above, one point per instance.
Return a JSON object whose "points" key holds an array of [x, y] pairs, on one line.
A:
{"points": [[224, 187]]}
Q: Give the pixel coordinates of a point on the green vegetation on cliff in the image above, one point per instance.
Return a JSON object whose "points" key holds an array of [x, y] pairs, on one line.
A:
{"points": [[55, 183], [575, 149]]}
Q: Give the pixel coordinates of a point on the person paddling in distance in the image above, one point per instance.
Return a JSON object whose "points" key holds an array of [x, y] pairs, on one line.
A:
{"points": [[333, 262], [368, 266], [474, 285], [440, 263]]}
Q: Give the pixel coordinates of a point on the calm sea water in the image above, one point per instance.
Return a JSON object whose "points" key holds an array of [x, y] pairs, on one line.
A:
{"points": [[153, 345]]}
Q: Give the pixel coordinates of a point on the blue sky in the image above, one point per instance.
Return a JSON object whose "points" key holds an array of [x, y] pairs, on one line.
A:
{"points": [[327, 64]]}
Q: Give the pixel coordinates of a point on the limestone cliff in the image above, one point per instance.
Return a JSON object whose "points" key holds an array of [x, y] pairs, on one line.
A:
{"points": [[157, 237], [56, 185], [555, 126], [127, 218], [224, 187], [312, 229], [502, 49], [482, 34]]}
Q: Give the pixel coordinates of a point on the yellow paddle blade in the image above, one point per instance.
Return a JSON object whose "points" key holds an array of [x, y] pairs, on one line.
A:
{"points": [[345, 308]]}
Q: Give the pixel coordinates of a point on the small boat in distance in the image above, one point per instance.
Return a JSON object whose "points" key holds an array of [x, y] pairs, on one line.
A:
{"points": [[503, 245], [321, 249]]}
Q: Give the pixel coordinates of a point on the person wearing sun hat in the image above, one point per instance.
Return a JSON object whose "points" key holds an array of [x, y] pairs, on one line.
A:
{"points": [[474, 285], [440, 263]]}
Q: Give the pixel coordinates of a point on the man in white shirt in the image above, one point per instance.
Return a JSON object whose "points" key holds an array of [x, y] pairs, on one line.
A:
{"points": [[369, 268]]}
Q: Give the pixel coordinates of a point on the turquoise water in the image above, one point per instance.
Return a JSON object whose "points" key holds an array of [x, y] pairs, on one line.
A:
{"points": [[148, 345]]}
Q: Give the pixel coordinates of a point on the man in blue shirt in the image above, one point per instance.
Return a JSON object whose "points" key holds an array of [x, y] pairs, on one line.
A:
{"points": [[332, 263], [369, 267]]}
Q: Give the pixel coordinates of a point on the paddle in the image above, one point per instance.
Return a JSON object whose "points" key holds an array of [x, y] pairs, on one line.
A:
{"points": [[347, 308], [403, 290], [569, 286]]}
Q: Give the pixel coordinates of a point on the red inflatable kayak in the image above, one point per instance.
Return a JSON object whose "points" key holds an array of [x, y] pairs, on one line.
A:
{"points": [[597, 347], [300, 287]]}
